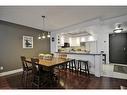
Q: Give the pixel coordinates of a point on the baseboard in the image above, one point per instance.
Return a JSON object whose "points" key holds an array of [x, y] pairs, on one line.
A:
{"points": [[10, 72]]}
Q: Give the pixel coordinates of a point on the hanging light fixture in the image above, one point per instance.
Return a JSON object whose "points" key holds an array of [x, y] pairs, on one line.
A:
{"points": [[118, 28], [48, 35], [39, 37], [43, 34]]}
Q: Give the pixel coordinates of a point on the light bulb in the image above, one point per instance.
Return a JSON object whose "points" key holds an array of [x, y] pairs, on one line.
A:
{"points": [[43, 36], [48, 36], [39, 37], [118, 30]]}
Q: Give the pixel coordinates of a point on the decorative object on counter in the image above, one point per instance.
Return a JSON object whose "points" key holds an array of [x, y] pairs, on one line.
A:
{"points": [[27, 42], [43, 34]]}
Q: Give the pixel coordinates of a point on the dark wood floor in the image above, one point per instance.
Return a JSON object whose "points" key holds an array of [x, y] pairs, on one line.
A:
{"points": [[67, 80]]}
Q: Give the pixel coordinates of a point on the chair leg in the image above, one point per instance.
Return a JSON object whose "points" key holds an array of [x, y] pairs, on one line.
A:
{"points": [[88, 69], [80, 67], [22, 80], [75, 66], [25, 79], [38, 83]]}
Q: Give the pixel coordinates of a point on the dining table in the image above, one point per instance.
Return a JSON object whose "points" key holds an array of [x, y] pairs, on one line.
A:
{"points": [[50, 64]]}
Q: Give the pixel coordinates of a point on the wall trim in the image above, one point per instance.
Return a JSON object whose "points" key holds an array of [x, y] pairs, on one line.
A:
{"points": [[10, 72]]}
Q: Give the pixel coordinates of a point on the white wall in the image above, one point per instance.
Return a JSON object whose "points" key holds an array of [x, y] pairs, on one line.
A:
{"points": [[53, 44], [106, 28]]}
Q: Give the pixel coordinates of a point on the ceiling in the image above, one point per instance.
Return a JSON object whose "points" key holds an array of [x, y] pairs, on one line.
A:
{"points": [[76, 34], [57, 17]]}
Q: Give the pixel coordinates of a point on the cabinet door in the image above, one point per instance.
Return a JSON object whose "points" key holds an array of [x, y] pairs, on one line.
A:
{"points": [[75, 42], [117, 48]]}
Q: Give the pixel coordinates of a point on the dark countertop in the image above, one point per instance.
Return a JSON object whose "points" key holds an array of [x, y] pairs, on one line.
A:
{"points": [[79, 53]]}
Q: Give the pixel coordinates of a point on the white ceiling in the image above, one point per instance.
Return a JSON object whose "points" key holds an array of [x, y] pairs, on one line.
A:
{"points": [[57, 17]]}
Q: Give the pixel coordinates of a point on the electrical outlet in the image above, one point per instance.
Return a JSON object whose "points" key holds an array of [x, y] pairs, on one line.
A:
{"points": [[1, 68]]}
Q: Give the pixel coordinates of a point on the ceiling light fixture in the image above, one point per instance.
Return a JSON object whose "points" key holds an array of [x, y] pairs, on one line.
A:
{"points": [[118, 28], [43, 34]]}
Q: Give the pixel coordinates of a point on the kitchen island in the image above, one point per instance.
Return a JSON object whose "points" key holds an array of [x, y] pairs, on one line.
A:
{"points": [[94, 60]]}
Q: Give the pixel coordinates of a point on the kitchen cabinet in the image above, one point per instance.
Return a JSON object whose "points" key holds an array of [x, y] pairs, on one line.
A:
{"points": [[74, 42]]}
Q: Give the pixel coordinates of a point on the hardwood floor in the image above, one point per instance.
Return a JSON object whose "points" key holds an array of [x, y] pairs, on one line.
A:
{"points": [[67, 80]]}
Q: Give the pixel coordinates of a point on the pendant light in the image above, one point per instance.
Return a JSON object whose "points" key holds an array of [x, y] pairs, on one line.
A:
{"points": [[43, 34], [39, 37], [48, 35]]}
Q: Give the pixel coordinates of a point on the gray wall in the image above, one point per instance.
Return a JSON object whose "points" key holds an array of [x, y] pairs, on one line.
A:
{"points": [[11, 48]]}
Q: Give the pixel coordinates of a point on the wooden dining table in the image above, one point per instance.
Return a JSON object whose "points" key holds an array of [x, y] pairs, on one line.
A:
{"points": [[50, 64]]}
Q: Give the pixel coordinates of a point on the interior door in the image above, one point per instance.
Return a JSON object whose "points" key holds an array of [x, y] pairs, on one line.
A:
{"points": [[117, 48]]}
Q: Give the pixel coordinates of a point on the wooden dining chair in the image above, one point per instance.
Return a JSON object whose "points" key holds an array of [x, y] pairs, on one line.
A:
{"points": [[40, 77], [26, 70]]}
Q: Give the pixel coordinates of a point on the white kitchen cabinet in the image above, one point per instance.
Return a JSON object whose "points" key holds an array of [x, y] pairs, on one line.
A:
{"points": [[75, 42]]}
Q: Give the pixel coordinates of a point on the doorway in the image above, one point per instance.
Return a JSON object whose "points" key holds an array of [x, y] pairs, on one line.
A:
{"points": [[118, 48]]}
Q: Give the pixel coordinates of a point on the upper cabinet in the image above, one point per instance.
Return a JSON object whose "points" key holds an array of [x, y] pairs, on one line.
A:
{"points": [[74, 41]]}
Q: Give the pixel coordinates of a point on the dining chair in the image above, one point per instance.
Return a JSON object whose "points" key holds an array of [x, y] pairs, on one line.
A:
{"points": [[40, 76], [26, 69], [83, 66]]}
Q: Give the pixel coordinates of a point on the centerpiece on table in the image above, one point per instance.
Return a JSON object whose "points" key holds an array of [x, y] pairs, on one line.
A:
{"points": [[46, 55]]}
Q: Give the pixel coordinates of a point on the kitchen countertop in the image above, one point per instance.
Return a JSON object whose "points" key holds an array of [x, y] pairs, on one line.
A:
{"points": [[79, 53]]}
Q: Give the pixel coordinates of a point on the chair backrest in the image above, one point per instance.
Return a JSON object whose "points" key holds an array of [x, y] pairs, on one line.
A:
{"points": [[24, 64], [34, 61]]}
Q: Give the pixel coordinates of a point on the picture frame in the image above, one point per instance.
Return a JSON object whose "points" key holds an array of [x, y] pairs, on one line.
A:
{"points": [[27, 42]]}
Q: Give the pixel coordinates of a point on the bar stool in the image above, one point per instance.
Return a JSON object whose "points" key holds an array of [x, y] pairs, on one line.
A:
{"points": [[83, 66], [72, 65]]}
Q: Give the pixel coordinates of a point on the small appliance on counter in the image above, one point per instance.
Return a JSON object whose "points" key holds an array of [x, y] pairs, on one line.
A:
{"points": [[66, 45]]}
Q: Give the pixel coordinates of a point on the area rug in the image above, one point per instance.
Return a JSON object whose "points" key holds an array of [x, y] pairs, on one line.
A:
{"points": [[120, 69]]}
